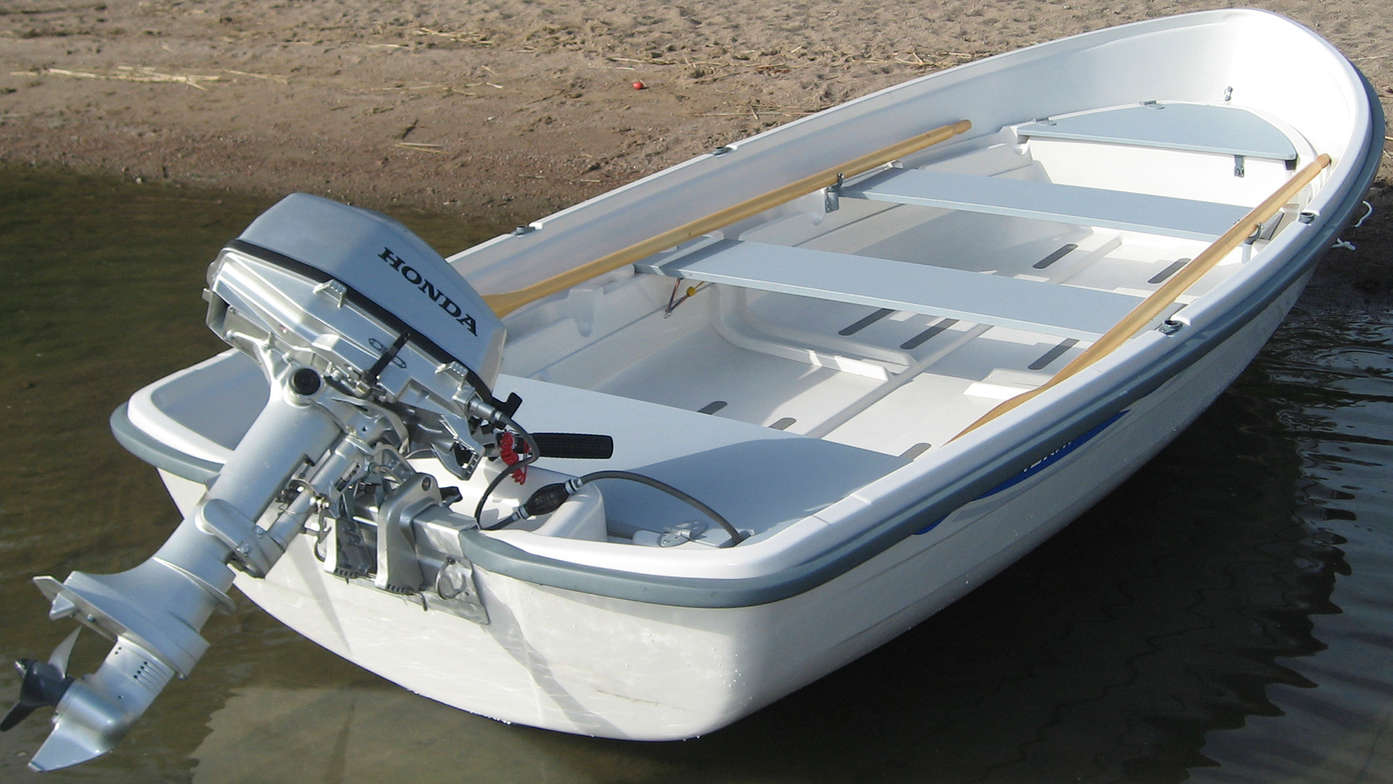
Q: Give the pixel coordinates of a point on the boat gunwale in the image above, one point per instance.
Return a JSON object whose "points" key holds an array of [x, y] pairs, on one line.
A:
{"points": [[480, 262], [1120, 392]]}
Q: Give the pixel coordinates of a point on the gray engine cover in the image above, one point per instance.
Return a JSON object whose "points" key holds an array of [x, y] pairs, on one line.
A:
{"points": [[383, 262]]}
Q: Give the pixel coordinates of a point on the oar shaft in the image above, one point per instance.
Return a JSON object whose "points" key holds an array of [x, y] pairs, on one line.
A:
{"points": [[507, 302], [1152, 306]]}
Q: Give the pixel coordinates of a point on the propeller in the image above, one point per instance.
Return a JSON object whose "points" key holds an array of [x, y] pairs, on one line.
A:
{"points": [[41, 683]]}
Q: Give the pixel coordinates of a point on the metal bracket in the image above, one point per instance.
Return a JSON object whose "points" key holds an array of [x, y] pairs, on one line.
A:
{"points": [[682, 533], [398, 567], [1238, 166], [246, 540], [831, 195], [456, 592], [1266, 229]]}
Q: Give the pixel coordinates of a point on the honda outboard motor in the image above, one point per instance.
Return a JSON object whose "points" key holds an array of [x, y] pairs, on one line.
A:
{"points": [[375, 351]]}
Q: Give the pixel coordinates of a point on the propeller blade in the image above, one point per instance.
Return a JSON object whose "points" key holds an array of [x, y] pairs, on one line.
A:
{"points": [[60, 655], [17, 713], [41, 683]]}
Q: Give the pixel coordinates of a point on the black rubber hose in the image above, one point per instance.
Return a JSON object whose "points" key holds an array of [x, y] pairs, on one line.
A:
{"points": [[488, 491], [735, 536]]}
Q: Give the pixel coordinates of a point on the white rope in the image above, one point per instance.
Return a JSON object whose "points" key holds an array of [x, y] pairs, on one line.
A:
{"points": [[1347, 245], [1368, 210]]}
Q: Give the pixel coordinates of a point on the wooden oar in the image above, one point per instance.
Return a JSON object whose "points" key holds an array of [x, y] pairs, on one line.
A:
{"points": [[1161, 298], [510, 301]]}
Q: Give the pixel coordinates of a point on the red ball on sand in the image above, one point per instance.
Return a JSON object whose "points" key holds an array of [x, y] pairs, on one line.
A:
{"points": [[639, 85]]}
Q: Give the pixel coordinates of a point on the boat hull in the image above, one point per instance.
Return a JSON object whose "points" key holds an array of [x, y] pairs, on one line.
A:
{"points": [[619, 652], [617, 668]]}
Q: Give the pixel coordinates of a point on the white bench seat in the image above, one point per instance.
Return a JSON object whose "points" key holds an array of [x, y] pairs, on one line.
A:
{"points": [[1048, 201], [1054, 309], [759, 477], [1224, 130]]}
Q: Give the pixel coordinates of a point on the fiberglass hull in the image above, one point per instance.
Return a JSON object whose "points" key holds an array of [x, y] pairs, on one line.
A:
{"points": [[607, 645]]}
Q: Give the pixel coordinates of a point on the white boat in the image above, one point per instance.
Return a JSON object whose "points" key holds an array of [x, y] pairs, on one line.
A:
{"points": [[874, 357]]}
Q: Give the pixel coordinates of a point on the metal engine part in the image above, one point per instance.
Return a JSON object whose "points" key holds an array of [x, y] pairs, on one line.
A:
{"points": [[375, 350]]}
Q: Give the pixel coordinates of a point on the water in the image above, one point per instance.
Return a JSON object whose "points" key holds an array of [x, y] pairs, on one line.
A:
{"points": [[1224, 616]]}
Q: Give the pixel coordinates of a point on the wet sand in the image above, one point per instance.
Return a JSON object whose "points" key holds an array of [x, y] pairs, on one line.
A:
{"points": [[503, 110]]}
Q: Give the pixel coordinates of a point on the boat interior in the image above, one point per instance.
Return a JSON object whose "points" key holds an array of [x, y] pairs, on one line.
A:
{"points": [[776, 365], [880, 317]]}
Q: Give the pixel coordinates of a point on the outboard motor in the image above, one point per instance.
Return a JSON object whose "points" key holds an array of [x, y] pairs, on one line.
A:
{"points": [[375, 351]]}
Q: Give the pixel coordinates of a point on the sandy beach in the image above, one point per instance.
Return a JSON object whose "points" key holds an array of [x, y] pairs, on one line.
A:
{"points": [[499, 109]]}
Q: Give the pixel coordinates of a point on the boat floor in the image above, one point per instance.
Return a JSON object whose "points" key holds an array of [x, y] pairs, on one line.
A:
{"points": [[789, 359], [850, 325]]}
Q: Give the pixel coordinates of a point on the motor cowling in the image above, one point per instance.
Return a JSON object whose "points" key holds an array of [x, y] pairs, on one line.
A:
{"points": [[350, 283]]}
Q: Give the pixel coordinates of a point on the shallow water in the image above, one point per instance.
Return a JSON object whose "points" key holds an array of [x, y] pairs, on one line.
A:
{"points": [[1226, 615]]}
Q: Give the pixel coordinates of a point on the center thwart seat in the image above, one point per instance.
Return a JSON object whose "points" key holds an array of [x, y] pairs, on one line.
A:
{"points": [[1067, 311]]}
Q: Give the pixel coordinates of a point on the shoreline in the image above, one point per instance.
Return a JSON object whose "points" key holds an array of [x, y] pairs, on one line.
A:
{"points": [[504, 113]]}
